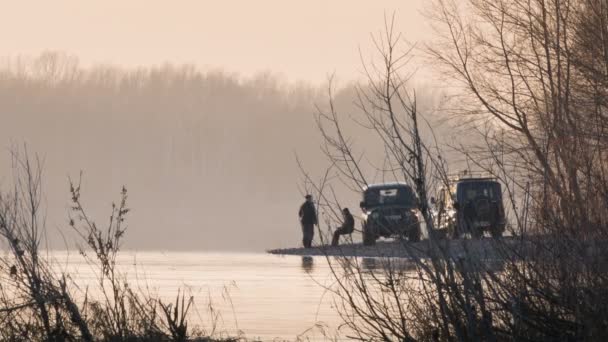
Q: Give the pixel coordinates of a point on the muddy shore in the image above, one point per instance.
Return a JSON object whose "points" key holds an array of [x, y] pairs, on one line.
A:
{"points": [[485, 248]]}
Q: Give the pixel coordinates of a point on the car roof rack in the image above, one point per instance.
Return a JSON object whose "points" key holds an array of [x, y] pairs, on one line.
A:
{"points": [[387, 185], [468, 175]]}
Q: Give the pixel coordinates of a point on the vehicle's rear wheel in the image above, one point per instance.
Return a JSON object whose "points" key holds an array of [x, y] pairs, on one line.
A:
{"points": [[414, 234], [496, 232], [369, 235], [477, 233]]}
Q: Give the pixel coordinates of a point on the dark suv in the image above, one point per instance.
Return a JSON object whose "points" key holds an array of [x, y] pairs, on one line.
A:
{"points": [[389, 210], [471, 205]]}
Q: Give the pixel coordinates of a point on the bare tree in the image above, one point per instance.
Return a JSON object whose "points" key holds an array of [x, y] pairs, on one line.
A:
{"points": [[535, 99]]}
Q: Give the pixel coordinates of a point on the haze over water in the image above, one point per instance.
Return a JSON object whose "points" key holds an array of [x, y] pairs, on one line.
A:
{"points": [[206, 150]]}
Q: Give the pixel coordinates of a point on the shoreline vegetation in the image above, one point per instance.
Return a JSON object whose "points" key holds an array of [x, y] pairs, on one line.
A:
{"points": [[40, 303]]}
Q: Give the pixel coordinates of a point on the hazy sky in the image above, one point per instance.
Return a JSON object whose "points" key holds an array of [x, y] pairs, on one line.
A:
{"points": [[302, 40]]}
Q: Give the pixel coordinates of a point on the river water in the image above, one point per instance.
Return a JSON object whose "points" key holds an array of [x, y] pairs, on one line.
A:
{"points": [[263, 296]]}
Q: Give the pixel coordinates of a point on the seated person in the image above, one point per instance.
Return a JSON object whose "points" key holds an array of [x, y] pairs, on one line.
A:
{"points": [[347, 226]]}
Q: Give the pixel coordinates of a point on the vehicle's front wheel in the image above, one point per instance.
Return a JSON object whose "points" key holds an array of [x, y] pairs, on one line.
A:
{"points": [[414, 234], [477, 233], [496, 232], [369, 235]]}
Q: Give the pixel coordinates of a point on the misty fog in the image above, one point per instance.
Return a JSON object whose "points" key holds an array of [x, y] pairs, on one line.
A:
{"points": [[208, 157]]}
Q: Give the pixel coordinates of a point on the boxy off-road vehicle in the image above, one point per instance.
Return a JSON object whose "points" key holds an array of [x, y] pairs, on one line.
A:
{"points": [[389, 210], [471, 205]]}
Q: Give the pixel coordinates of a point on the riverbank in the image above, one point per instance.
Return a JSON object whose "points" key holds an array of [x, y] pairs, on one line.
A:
{"points": [[485, 248]]}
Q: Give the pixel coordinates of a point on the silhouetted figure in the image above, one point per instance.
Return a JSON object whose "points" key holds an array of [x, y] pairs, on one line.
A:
{"points": [[308, 219], [347, 226]]}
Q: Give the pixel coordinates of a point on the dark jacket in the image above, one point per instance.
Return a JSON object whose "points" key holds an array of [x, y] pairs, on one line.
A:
{"points": [[349, 224], [308, 213]]}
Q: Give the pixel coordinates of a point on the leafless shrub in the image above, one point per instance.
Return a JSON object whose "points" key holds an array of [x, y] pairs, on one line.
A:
{"points": [[38, 304]]}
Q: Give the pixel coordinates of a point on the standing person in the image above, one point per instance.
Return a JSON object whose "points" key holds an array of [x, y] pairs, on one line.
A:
{"points": [[347, 227], [308, 219]]}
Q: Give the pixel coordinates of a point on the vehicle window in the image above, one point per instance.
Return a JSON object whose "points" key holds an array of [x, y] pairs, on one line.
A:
{"points": [[390, 196], [487, 192], [471, 194], [472, 190]]}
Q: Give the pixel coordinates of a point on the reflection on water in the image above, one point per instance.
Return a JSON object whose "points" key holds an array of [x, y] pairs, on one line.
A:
{"points": [[410, 265], [265, 296], [369, 264], [388, 264], [308, 264]]}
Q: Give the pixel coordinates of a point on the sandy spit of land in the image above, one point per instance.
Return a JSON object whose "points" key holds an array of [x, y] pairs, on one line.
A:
{"points": [[485, 248]]}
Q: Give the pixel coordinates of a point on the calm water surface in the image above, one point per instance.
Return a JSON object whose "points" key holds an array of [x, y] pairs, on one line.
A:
{"points": [[264, 296]]}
